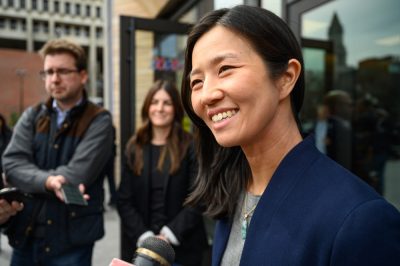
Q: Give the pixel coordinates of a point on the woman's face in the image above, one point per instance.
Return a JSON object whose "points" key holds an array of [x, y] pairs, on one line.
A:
{"points": [[161, 110], [231, 89]]}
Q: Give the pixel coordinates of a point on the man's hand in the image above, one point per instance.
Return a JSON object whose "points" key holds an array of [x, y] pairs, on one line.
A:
{"points": [[55, 182], [7, 210]]}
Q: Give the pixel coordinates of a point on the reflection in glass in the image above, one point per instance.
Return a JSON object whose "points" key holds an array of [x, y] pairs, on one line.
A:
{"points": [[364, 58]]}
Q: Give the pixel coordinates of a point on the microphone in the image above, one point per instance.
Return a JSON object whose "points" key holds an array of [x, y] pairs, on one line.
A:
{"points": [[154, 252]]}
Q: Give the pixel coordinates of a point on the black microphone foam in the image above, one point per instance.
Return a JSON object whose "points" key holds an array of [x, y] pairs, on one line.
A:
{"points": [[154, 252]]}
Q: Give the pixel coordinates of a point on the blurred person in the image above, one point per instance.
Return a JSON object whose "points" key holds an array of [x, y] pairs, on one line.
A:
{"points": [[110, 173], [160, 166], [374, 141], [64, 140], [339, 144], [321, 128], [278, 200], [5, 136]]}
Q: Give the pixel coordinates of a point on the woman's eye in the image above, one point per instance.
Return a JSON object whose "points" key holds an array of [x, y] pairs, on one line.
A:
{"points": [[224, 68], [195, 83]]}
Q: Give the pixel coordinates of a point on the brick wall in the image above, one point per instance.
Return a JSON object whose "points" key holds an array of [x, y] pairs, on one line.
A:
{"points": [[10, 83]]}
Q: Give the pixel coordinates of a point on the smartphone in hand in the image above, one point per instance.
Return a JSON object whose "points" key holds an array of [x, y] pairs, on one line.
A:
{"points": [[11, 194], [72, 195]]}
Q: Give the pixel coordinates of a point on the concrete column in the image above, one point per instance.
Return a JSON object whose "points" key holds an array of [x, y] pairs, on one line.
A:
{"points": [[29, 34], [92, 62], [108, 56], [51, 29]]}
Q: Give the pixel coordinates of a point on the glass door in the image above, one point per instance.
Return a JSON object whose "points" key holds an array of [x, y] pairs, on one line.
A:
{"points": [[150, 49]]}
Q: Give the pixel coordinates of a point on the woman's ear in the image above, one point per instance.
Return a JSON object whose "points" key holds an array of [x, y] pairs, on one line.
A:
{"points": [[289, 77]]}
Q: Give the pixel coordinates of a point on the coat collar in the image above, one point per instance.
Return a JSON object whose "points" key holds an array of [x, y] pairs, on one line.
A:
{"points": [[288, 173]]}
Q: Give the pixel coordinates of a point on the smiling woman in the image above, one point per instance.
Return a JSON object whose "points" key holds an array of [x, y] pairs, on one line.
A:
{"points": [[156, 179], [278, 200]]}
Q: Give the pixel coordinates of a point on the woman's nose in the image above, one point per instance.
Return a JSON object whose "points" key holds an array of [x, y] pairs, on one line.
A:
{"points": [[160, 106], [211, 94]]}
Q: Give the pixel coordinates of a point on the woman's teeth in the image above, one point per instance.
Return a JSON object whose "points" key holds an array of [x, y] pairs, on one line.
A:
{"points": [[220, 116]]}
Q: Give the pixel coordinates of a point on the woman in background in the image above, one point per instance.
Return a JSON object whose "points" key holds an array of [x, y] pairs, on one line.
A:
{"points": [[158, 174]]}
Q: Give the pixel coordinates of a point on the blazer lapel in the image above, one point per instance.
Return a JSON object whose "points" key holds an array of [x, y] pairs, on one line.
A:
{"points": [[221, 236]]}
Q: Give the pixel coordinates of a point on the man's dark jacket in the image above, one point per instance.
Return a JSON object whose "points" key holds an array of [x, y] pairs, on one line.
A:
{"points": [[77, 150]]}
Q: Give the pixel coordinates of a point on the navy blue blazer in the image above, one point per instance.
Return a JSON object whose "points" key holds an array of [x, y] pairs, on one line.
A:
{"points": [[315, 212]]}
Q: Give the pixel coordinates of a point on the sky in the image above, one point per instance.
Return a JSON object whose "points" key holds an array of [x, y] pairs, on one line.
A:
{"points": [[371, 27]]}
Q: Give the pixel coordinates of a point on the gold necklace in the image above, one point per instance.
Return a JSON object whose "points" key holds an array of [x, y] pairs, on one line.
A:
{"points": [[246, 216]]}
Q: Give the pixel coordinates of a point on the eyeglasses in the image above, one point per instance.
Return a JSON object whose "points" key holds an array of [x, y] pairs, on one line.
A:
{"points": [[61, 72]]}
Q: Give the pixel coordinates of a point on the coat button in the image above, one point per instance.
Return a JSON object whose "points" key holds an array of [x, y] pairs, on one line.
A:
{"points": [[73, 214], [47, 249], [49, 222], [55, 146]]}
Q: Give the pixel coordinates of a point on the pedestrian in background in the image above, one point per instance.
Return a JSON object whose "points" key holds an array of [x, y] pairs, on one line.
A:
{"points": [[278, 200], [158, 173], [5, 136], [110, 174], [67, 139]]}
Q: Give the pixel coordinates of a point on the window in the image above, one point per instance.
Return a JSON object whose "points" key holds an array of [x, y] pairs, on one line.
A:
{"points": [[252, 2], [337, 64], [45, 5], [77, 31], [34, 4], [99, 33], [2, 23], [86, 32], [22, 4], [67, 8], [13, 24], [23, 25], [98, 12], [36, 27], [58, 30], [67, 30], [87, 10], [46, 27], [56, 6], [77, 9], [10, 3]]}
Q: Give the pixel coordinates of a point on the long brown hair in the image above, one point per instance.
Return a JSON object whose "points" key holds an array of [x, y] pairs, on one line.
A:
{"points": [[177, 141]]}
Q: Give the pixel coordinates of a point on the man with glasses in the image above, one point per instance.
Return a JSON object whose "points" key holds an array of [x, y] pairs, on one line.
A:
{"points": [[67, 139]]}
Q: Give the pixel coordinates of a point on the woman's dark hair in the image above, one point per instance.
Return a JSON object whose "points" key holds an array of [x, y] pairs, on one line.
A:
{"points": [[224, 172], [177, 142], [3, 125]]}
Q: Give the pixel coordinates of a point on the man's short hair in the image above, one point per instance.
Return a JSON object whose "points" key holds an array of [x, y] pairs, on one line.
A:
{"points": [[60, 46]]}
